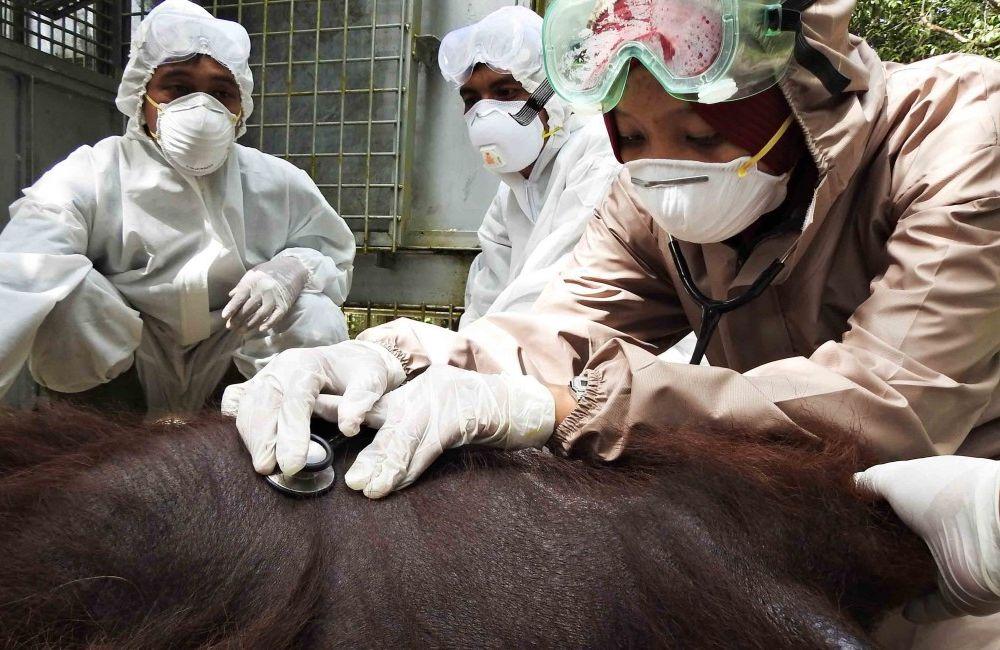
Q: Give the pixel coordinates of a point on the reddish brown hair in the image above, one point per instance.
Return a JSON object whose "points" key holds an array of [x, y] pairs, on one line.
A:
{"points": [[129, 535]]}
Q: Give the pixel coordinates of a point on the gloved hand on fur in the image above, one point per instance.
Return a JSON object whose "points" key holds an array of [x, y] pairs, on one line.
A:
{"points": [[273, 409], [953, 503], [443, 408]]}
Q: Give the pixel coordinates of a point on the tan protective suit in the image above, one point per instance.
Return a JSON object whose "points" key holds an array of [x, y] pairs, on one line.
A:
{"points": [[885, 321]]}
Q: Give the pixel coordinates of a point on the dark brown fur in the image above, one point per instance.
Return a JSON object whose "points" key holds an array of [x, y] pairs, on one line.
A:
{"points": [[128, 535]]}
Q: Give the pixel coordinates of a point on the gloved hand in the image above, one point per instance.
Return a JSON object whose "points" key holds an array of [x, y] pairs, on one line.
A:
{"points": [[447, 407], [265, 293], [953, 503], [272, 410]]}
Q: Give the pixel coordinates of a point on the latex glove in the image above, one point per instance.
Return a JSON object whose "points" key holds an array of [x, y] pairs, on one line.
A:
{"points": [[953, 503], [265, 293], [447, 407], [328, 407], [273, 409]]}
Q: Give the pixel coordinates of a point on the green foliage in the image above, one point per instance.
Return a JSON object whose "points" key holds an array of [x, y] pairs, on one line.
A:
{"points": [[908, 30]]}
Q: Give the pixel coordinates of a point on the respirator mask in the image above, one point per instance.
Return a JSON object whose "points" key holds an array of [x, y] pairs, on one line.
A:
{"points": [[195, 133], [505, 145], [706, 203]]}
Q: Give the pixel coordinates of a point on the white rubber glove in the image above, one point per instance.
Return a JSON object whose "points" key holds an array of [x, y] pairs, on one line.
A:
{"points": [[447, 407], [273, 409], [265, 293], [328, 407], [953, 503]]}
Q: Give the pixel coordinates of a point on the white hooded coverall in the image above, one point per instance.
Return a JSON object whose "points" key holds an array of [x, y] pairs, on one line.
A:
{"points": [[533, 223], [114, 258]]}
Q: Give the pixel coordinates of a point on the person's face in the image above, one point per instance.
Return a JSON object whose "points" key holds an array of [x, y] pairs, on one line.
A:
{"points": [[652, 124], [487, 83], [202, 73]]}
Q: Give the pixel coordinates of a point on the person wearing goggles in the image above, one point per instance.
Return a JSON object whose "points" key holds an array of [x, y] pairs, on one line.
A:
{"points": [[827, 222], [171, 249], [553, 171]]}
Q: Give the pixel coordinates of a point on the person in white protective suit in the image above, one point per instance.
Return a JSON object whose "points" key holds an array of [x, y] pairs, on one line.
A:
{"points": [[171, 247], [553, 172]]}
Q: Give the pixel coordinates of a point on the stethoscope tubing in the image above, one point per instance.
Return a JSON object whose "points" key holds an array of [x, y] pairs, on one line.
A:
{"points": [[713, 310]]}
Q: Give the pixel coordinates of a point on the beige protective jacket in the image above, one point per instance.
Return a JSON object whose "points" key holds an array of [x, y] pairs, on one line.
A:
{"points": [[885, 321]]}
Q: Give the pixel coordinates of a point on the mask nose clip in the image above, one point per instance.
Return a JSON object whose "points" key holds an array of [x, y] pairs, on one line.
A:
{"points": [[314, 479], [670, 182]]}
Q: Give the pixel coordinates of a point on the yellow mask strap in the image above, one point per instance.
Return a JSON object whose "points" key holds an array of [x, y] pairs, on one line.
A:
{"points": [[549, 134], [153, 134], [742, 170]]}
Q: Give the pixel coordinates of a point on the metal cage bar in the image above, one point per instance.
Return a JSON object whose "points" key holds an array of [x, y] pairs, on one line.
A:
{"points": [[343, 98], [368, 135], [361, 316], [86, 37], [407, 106]]}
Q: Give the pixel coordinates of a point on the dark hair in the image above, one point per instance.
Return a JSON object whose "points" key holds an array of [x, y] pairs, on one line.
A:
{"points": [[133, 535]]}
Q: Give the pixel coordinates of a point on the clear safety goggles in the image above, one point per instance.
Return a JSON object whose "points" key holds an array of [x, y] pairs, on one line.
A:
{"points": [[706, 51], [505, 42], [172, 37]]}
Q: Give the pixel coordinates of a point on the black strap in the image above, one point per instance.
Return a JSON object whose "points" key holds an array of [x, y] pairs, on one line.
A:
{"points": [[791, 14], [806, 55], [797, 5], [535, 103], [810, 59]]}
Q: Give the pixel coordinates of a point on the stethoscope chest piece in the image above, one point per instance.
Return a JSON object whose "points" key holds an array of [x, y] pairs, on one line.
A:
{"points": [[316, 478]]}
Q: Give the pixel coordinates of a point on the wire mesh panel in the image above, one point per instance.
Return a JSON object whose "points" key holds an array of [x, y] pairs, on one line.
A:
{"points": [[86, 36], [329, 85], [361, 317]]}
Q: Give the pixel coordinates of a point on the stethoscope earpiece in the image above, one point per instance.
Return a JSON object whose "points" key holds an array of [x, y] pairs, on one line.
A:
{"points": [[316, 478]]}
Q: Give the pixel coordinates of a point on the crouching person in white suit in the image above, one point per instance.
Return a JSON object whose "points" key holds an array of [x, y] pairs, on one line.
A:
{"points": [[171, 248]]}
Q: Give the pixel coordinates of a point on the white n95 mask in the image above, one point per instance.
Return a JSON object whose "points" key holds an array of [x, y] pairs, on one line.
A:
{"points": [[704, 203], [505, 145], [195, 133]]}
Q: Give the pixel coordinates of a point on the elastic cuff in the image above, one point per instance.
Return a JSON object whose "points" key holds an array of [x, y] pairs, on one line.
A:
{"points": [[307, 264], [403, 358], [586, 410]]}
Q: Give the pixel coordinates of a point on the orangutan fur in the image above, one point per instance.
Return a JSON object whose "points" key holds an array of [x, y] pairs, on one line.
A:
{"points": [[118, 534]]}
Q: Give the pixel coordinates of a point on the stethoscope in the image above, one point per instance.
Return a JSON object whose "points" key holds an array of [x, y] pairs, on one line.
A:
{"points": [[713, 310], [314, 479], [317, 476]]}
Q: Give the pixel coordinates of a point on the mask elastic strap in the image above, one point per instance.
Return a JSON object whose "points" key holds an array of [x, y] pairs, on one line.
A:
{"points": [[549, 134], [742, 170], [154, 134], [235, 119]]}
